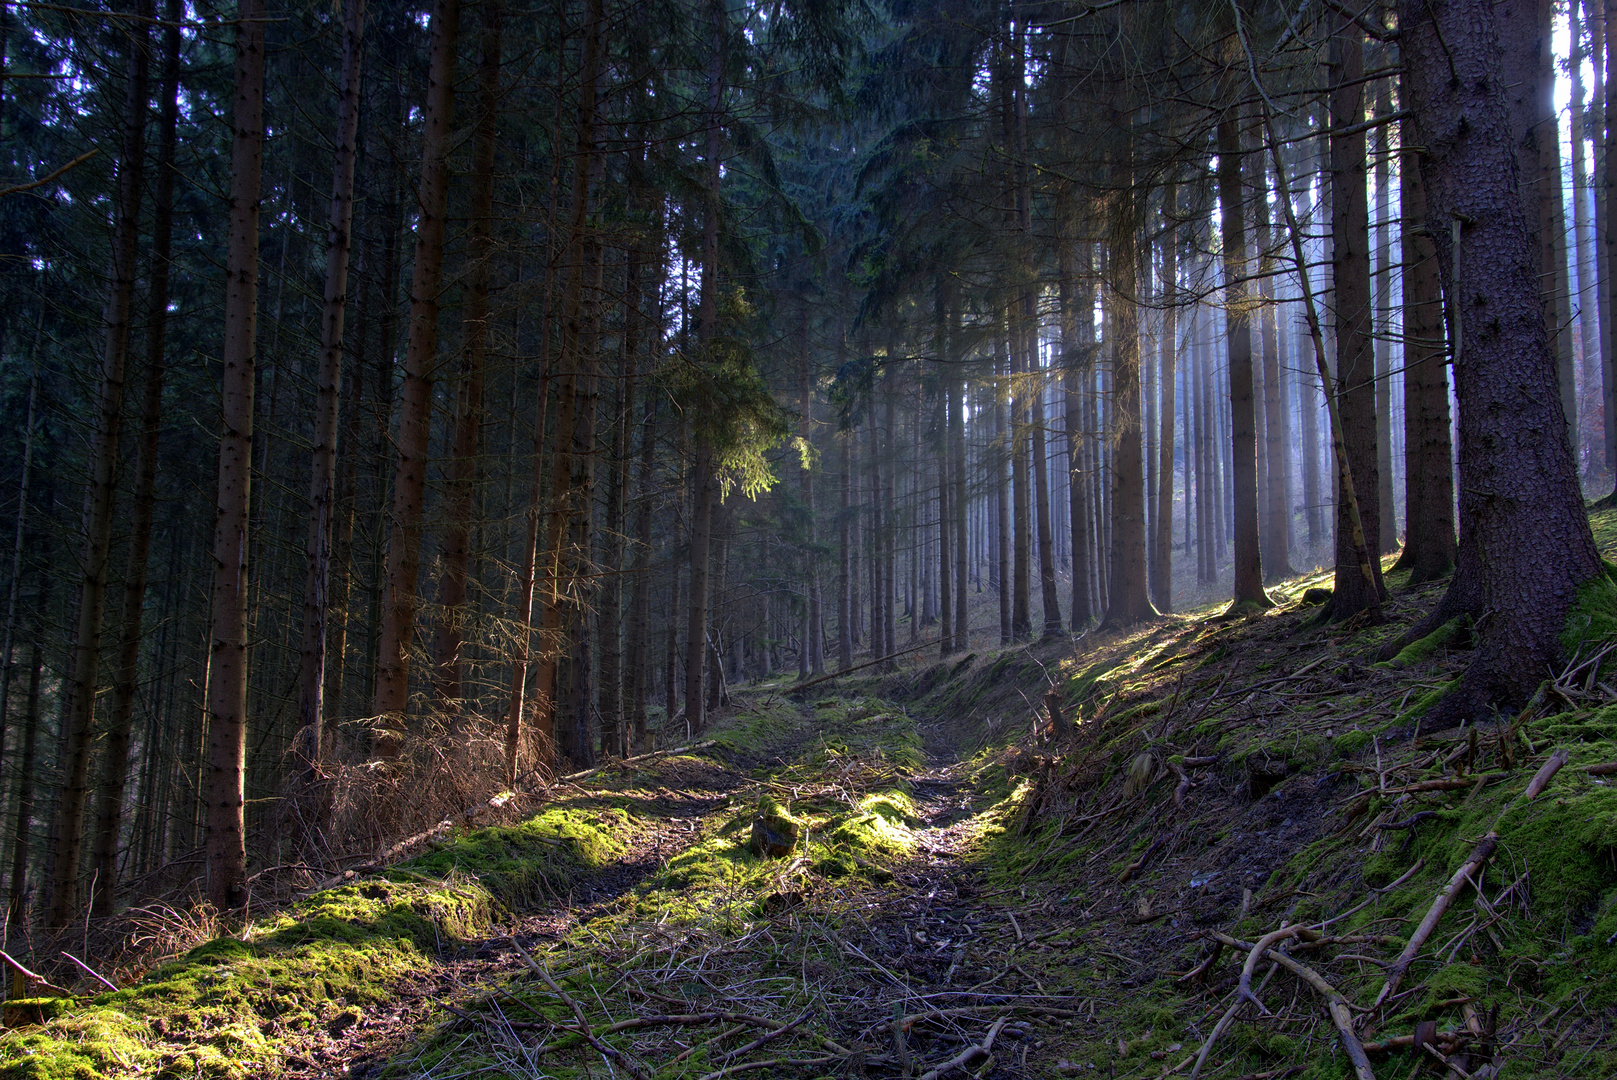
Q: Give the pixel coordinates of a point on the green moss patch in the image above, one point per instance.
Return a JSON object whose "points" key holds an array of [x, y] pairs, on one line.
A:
{"points": [[228, 1008]]}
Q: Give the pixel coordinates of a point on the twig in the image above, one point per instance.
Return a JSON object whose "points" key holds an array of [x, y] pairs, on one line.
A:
{"points": [[1482, 853], [761, 1040], [968, 1055], [17, 189], [578, 1014], [90, 971], [1243, 990]]}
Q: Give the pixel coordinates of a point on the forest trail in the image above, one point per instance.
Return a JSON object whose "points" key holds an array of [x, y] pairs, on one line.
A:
{"points": [[733, 964]]}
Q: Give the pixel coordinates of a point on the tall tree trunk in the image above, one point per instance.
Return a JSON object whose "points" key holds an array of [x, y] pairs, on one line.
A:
{"points": [[1587, 319], [101, 490], [1601, 140], [705, 482], [120, 720], [1248, 587], [392, 696], [955, 382], [323, 469], [226, 694], [1276, 542], [1383, 343], [18, 545], [460, 500], [1162, 538], [1552, 219], [1355, 358], [614, 680], [639, 633], [17, 900], [845, 542], [1128, 592], [1002, 501], [944, 347], [1528, 547], [1428, 454]]}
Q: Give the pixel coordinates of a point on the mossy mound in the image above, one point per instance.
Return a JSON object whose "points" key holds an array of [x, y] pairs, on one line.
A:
{"points": [[227, 1008]]}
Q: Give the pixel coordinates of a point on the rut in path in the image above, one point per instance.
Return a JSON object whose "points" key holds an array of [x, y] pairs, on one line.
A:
{"points": [[691, 957]]}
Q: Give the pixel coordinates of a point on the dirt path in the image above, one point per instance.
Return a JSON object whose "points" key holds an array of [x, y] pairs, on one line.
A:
{"points": [[692, 958]]}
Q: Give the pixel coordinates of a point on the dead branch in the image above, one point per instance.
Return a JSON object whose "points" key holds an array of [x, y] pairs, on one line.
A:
{"points": [[1341, 1014], [583, 1028], [761, 1040], [1545, 774], [44, 983], [90, 971], [1482, 853], [968, 1055]]}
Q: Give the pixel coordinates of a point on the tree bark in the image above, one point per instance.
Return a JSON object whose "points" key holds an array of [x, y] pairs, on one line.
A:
{"points": [[1383, 343], [392, 696], [460, 500], [1528, 547], [323, 468], [120, 718], [1077, 327], [1128, 592], [1355, 357], [1428, 453], [226, 749], [1162, 539], [1248, 582]]}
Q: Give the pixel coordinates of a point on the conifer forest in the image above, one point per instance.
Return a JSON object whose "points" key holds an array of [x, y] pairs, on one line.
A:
{"points": [[679, 539]]}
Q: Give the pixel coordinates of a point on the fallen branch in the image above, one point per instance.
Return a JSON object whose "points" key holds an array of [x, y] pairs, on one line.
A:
{"points": [[1482, 853], [1336, 1004], [1545, 774], [90, 971], [44, 983], [761, 1040], [1243, 990], [1134, 867], [606, 1051], [631, 760], [968, 1055]]}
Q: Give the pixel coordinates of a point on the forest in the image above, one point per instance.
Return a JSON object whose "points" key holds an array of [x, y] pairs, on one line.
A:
{"points": [[533, 505]]}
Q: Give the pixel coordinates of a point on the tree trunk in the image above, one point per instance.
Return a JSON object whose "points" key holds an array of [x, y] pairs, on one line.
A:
{"points": [[323, 469], [1601, 143], [1128, 593], [1428, 454], [1586, 319], [392, 695], [460, 500], [1528, 547], [845, 542], [1002, 499], [1276, 541], [120, 720], [17, 901], [1248, 589], [100, 492], [1552, 220], [1162, 538], [704, 480], [1076, 355], [1355, 357], [1383, 343], [226, 694]]}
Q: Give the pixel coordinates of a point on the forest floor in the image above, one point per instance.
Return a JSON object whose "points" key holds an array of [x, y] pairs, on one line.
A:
{"points": [[964, 897]]}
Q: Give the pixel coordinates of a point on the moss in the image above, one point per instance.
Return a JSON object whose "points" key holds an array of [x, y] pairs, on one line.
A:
{"points": [[1600, 725], [1424, 648], [223, 1010], [1421, 705], [1350, 743], [1593, 617]]}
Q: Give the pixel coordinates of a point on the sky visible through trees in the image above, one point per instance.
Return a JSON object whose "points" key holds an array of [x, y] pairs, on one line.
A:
{"points": [[404, 401]]}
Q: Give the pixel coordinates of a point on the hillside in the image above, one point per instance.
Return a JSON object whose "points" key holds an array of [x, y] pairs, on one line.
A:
{"points": [[1234, 853]]}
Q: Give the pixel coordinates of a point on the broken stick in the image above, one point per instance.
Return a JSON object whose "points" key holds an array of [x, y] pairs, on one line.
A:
{"points": [[1395, 974]]}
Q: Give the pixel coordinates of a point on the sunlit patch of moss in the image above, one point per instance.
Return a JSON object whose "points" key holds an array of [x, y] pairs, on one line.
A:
{"points": [[1421, 705], [226, 1008]]}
